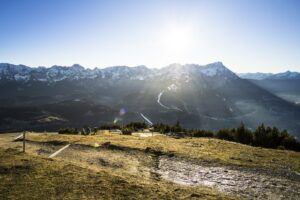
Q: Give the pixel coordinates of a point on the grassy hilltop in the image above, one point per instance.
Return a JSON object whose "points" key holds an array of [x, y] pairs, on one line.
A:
{"points": [[31, 177], [76, 173], [208, 149]]}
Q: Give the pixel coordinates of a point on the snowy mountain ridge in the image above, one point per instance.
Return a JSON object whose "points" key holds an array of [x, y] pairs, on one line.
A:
{"points": [[75, 72], [263, 76], [285, 75]]}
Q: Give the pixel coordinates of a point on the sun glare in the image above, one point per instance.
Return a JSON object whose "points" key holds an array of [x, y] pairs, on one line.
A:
{"points": [[175, 40]]}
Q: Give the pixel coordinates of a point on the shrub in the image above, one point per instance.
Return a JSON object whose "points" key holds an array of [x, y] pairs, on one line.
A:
{"points": [[202, 133], [176, 128], [281, 147], [225, 134], [260, 136], [243, 135], [110, 126], [162, 128], [86, 131], [137, 125], [273, 138], [165, 128], [291, 143], [127, 131], [68, 131]]}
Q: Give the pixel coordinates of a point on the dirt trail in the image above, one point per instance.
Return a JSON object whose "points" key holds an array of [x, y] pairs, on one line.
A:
{"points": [[249, 183], [253, 183]]}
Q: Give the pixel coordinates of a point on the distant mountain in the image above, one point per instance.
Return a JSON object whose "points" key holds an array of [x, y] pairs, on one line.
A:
{"points": [[199, 96], [287, 89], [285, 75], [75, 72], [284, 85], [263, 76], [255, 76]]}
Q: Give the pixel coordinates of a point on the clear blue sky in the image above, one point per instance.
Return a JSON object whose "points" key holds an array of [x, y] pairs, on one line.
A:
{"points": [[246, 35]]}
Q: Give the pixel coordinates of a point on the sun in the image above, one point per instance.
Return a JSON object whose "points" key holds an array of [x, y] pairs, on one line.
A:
{"points": [[176, 38], [175, 41]]}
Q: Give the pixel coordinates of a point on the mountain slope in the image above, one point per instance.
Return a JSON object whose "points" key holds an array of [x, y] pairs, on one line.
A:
{"points": [[199, 96]]}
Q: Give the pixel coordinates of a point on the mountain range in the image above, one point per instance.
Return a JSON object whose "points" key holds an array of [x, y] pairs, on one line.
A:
{"points": [[262, 76], [198, 96]]}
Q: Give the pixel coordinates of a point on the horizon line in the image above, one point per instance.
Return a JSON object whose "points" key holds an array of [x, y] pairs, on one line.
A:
{"points": [[142, 65]]}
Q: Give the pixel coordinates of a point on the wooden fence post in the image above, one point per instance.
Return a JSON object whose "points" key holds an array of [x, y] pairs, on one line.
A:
{"points": [[24, 135]]}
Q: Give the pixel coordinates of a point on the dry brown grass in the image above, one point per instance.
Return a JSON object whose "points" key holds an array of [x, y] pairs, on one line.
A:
{"points": [[24, 176], [207, 149]]}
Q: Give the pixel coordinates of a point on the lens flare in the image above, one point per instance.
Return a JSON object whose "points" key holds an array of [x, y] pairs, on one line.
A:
{"points": [[116, 120], [122, 111]]}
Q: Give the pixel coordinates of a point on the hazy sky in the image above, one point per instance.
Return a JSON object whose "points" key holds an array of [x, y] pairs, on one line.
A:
{"points": [[246, 35]]}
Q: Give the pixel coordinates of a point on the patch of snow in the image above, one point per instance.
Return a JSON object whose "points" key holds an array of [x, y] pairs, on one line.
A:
{"points": [[217, 69], [209, 71], [172, 87], [146, 119], [158, 100], [209, 117], [42, 79], [177, 72], [176, 108], [141, 78], [213, 69], [19, 77]]}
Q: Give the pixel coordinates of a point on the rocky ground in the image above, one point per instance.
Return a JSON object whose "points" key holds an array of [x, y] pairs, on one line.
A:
{"points": [[251, 183]]}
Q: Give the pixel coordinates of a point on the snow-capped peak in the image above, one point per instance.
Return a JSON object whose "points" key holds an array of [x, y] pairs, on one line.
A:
{"points": [[215, 69], [174, 72], [285, 75]]}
